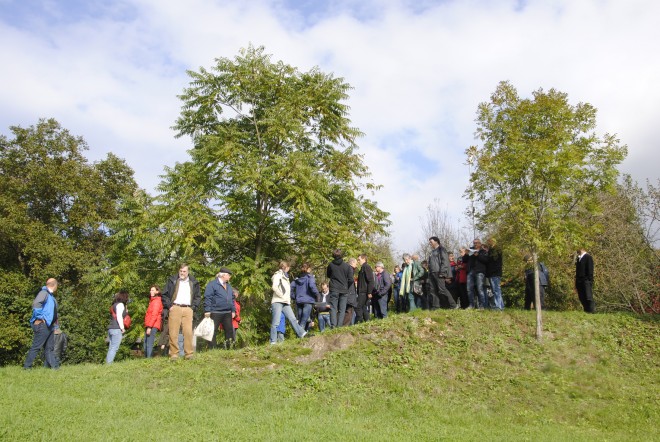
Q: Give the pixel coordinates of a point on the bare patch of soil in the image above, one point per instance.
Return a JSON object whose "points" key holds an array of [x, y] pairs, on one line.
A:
{"points": [[320, 345]]}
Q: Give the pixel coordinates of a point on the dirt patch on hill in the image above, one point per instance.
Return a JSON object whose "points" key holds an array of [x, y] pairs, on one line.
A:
{"points": [[320, 345]]}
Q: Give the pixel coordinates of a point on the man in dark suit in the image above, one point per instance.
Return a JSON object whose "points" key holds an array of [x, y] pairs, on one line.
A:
{"points": [[584, 279]]}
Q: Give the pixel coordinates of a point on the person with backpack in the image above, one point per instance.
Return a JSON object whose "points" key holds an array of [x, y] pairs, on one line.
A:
{"points": [[43, 321], [117, 326], [544, 281], [305, 292], [153, 320]]}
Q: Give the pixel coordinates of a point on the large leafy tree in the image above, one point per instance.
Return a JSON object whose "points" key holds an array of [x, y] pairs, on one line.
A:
{"points": [[57, 213], [539, 163], [274, 171]]}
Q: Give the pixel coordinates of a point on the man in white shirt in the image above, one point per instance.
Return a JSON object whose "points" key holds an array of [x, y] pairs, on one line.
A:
{"points": [[181, 297]]}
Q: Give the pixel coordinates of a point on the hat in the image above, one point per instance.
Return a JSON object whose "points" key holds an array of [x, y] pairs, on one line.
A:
{"points": [[225, 270]]}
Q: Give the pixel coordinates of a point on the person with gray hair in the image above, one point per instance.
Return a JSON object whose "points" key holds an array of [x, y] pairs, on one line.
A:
{"points": [[382, 285], [219, 306]]}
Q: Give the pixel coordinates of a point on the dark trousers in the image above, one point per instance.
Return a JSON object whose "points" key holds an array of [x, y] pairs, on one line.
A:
{"points": [[439, 292], [348, 316], [338, 302], [463, 294], [586, 295], [529, 296], [43, 338], [362, 309], [223, 318], [380, 306]]}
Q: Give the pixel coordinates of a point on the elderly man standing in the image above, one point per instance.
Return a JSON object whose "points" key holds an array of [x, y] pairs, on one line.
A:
{"points": [[382, 286], [219, 306], [181, 297], [43, 321]]}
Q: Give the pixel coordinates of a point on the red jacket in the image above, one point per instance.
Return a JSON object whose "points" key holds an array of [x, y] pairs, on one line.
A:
{"points": [[236, 319], [154, 316]]}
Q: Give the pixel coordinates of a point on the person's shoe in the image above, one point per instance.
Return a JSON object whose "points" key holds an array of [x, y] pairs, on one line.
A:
{"points": [[303, 335], [174, 358]]}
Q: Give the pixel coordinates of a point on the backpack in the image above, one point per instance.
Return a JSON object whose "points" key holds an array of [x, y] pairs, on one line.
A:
{"points": [[127, 317]]}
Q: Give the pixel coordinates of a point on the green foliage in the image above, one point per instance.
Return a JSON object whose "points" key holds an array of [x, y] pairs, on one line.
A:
{"points": [[58, 214], [540, 169], [274, 172]]}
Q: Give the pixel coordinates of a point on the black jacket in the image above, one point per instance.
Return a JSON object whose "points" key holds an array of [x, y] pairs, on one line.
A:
{"points": [[494, 265], [478, 263], [584, 269], [168, 293], [365, 282], [340, 275]]}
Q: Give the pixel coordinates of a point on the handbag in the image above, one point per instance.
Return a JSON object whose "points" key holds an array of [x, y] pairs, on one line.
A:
{"points": [[205, 329]]}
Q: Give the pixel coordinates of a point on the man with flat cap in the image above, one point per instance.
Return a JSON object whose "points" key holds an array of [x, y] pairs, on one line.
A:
{"points": [[219, 306]]}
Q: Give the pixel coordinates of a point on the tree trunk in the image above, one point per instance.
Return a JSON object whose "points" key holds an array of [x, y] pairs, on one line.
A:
{"points": [[537, 299]]}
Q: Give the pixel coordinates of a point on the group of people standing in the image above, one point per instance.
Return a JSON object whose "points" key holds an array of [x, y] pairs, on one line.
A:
{"points": [[470, 281]]}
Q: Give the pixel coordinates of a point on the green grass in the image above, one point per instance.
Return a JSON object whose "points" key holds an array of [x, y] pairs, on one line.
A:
{"points": [[459, 375]]}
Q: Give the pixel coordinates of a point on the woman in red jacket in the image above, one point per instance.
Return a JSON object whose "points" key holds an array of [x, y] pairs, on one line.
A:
{"points": [[152, 320]]}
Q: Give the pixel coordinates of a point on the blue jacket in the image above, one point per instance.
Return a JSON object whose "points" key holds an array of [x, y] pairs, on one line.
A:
{"points": [[48, 307], [217, 298], [304, 289]]}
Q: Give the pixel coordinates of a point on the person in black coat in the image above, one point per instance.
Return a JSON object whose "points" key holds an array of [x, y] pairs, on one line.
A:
{"points": [[365, 288], [340, 275], [584, 279]]}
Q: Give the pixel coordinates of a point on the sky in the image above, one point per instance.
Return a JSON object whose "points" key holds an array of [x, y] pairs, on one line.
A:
{"points": [[110, 71]]}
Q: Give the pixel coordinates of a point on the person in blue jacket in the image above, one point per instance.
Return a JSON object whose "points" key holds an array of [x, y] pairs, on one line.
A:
{"points": [[43, 321], [219, 306], [305, 293]]}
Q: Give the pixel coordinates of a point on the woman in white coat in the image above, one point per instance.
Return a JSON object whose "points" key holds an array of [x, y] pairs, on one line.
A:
{"points": [[281, 303]]}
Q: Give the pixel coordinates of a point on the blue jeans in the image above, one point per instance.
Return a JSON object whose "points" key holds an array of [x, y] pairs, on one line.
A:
{"points": [[497, 292], [380, 306], [114, 336], [324, 321], [278, 308], [304, 313], [149, 342], [481, 291], [43, 338]]}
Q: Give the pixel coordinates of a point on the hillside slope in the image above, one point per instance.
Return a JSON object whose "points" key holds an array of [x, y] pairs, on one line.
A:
{"points": [[454, 375]]}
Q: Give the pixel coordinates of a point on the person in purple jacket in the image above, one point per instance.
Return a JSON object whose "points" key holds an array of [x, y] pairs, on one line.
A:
{"points": [[305, 293]]}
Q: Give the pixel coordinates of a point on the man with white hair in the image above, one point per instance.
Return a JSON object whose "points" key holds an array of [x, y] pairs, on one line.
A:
{"points": [[219, 306], [382, 285]]}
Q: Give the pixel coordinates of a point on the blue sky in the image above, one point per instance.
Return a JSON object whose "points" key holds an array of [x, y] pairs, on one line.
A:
{"points": [[110, 72]]}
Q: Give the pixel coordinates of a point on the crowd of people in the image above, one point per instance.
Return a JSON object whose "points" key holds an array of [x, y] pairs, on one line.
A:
{"points": [[353, 293]]}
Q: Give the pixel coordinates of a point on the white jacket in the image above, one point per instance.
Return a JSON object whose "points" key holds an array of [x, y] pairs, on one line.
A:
{"points": [[281, 288]]}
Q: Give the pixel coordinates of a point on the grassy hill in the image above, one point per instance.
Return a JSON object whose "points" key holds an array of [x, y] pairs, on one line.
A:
{"points": [[454, 375]]}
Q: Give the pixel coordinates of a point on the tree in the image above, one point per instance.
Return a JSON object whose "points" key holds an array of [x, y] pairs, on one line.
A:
{"points": [[274, 171], [540, 162], [56, 210], [438, 223], [628, 277]]}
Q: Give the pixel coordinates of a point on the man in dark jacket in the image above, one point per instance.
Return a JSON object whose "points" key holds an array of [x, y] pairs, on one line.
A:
{"points": [[181, 298], [584, 280], [219, 306], [365, 286], [477, 273], [340, 275], [439, 276], [382, 285]]}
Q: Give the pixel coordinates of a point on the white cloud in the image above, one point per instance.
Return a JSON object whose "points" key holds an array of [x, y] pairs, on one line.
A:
{"points": [[419, 72]]}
